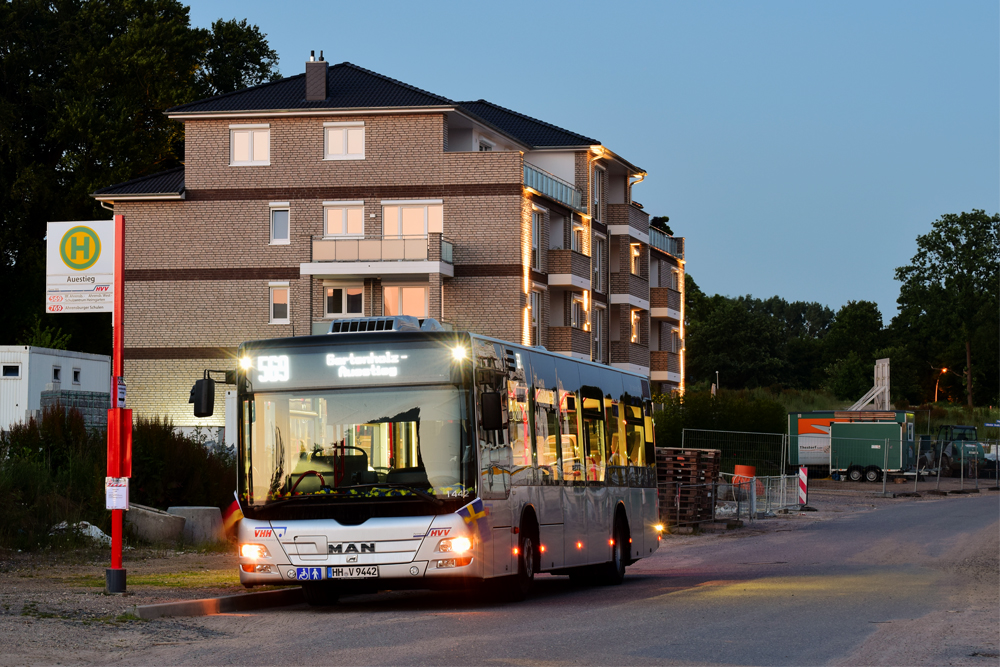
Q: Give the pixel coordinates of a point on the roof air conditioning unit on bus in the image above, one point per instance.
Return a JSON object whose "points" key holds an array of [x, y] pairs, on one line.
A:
{"points": [[395, 323]]}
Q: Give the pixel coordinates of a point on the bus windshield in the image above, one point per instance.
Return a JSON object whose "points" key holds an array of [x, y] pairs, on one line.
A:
{"points": [[380, 442]]}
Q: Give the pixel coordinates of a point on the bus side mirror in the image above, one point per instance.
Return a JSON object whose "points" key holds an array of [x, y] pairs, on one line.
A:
{"points": [[491, 412], [203, 397]]}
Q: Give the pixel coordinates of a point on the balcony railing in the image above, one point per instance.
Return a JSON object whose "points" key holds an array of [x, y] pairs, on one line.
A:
{"points": [[551, 185], [378, 249], [669, 244]]}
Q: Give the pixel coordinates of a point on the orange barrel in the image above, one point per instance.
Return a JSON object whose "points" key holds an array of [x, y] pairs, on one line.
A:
{"points": [[742, 477]]}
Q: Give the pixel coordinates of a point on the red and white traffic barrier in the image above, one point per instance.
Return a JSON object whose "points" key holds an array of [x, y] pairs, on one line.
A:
{"points": [[803, 485]]}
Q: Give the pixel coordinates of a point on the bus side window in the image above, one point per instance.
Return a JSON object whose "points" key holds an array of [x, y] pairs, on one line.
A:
{"points": [[517, 407], [596, 447], [635, 439], [572, 459], [547, 435]]}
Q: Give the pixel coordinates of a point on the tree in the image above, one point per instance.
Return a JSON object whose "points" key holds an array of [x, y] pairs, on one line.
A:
{"points": [[949, 296], [45, 336], [660, 222], [237, 57], [83, 87]]}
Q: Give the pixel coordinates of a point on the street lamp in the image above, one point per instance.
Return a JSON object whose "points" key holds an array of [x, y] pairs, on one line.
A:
{"points": [[943, 371]]}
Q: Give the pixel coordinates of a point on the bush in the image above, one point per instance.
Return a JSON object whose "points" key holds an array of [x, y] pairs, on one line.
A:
{"points": [[743, 410], [53, 470], [172, 469]]}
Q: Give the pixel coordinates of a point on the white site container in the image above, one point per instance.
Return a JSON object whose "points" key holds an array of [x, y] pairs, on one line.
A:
{"points": [[25, 372]]}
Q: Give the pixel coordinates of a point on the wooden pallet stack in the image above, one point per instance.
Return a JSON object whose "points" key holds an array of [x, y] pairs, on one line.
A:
{"points": [[684, 478]]}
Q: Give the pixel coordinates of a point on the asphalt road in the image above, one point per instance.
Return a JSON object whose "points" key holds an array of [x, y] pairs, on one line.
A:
{"points": [[912, 583]]}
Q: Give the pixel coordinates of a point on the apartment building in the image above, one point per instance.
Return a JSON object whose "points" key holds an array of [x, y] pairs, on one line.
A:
{"points": [[343, 193]]}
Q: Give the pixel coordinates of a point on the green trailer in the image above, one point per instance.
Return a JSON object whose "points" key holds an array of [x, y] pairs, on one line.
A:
{"points": [[859, 445]]}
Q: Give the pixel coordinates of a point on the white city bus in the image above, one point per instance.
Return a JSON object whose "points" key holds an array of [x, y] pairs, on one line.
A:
{"points": [[393, 454]]}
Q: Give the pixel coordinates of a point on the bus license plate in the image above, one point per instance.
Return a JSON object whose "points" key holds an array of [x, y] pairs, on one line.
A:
{"points": [[353, 572]]}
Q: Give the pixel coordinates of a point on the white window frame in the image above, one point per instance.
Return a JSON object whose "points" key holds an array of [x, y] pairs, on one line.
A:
{"points": [[343, 300], [576, 236], [581, 321], [77, 376], [16, 365], [346, 127], [535, 306], [432, 224], [279, 206], [598, 329], [427, 297], [486, 146], [255, 132], [537, 220], [595, 193], [56, 373], [270, 303], [597, 256], [345, 206]]}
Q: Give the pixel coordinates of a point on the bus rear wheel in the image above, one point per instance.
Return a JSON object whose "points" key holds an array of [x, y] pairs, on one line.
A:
{"points": [[320, 594], [612, 573]]}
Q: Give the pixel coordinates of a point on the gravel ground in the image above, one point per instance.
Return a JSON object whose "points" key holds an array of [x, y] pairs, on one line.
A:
{"points": [[53, 609]]}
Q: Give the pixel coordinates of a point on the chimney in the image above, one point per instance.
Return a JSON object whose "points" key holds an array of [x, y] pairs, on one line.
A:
{"points": [[316, 77]]}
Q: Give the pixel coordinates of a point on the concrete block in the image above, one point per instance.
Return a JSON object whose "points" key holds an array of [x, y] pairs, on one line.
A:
{"points": [[154, 525], [202, 524]]}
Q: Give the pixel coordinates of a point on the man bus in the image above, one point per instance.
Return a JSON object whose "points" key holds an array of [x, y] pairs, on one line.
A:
{"points": [[391, 453]]}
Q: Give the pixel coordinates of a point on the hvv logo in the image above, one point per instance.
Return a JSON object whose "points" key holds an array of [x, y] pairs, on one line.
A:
{"points": [[277, 531]]}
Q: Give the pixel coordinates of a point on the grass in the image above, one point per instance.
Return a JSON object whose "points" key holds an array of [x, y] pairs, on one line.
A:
{"points": [[188, 579]]}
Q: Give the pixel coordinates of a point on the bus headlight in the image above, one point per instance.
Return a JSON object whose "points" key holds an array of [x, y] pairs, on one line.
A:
{"points": [[458, 352], [658, 527], [455, 545], [254, 551], [246, 363]]}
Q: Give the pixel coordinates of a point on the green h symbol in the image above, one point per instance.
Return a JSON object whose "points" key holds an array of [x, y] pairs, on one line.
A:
{"points": [[75, 247]]}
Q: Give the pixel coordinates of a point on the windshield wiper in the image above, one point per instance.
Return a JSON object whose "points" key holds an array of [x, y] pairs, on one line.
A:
{"points": [[390, 485]]}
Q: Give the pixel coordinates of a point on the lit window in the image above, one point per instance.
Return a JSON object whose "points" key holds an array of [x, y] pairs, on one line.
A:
{"points": [[414, 220], [636, 319], [279, 226], [347, 301], [279, 304], [344, 221], [344, 141], [636, 255], [404, 301], [250, 145]]}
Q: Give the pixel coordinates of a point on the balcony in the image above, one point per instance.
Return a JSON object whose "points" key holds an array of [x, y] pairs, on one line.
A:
{"points": [[630, 356], [672, 245], [568, 268], [570, 341], [553, 187], [665, 366], [664, 302], [410, 255]]}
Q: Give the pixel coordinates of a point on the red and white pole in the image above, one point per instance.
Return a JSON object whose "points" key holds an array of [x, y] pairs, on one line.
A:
{"points": [[803, 486], [119, 418]]}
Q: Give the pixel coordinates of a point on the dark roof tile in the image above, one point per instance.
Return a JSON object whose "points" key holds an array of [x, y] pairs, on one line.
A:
{"points": [[348, 87], [166, 182], [530, 130]]}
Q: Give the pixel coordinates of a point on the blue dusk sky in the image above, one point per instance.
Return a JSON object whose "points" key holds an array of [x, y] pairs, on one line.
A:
{"points": [[800, 147]]}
